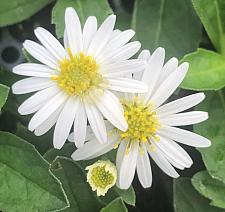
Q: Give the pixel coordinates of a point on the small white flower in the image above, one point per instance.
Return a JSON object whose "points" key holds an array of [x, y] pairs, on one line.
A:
{"points": [[101, 176], [74, 81], [152, 126]]}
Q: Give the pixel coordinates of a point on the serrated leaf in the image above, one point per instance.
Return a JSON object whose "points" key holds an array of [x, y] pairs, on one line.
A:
{"points": [[213, 129], [211, 13], [25, 180], [206, 71], [170, 24], [84, 8], [15, 11], [115, 205], [187, 199], [128, 196], [210, 188], [4, 91]]}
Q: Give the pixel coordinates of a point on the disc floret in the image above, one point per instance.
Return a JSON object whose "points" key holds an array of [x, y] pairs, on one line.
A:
{"points": [[78, 74], [101, 176]]}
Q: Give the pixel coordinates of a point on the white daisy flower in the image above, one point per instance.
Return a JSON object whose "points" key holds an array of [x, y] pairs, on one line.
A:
{"points": [[74, 81], [152, 125]]}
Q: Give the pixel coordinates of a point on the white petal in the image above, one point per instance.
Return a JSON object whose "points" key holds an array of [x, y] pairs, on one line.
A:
{"points": [[127, 85], [102, 36], [111, 109], [89, 132], [92, 149], [123, 67], [144, 170], [48, 123], [128, 165], [172, 150], [90, 28], [166, 89], [184, 136], [65, 122], [73, 30], [33, 70], [163, 163], [97, 123], [182, 119], [50, 43], [117, 42], [181, 104], [31, 84], [65, 40], [153, 70], [40, 53], [35, 102], [171, 160], [114, 34], [120, 154], [145, 56], [80, 126], [122, 53], [168, 68], [50, 107]]}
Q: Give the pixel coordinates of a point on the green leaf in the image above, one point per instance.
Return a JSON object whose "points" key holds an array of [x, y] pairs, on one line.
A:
{"points": [[74, 181], [128, 196], [213, 129], [26, 184], [206, 71], [84, 8], [15, 11], [187, 199], [170, 24], [115, 205], [211, 13], [210, 188], [4, 91], [42, 143]]}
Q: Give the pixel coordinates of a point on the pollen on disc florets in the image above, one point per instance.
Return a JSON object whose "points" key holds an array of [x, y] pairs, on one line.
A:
{"points": [[142, 122], [101, 176], [78, 74]]}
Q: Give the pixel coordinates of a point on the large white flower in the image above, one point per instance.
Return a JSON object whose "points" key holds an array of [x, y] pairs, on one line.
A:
{"points": [[152, 126], [74, 81]]}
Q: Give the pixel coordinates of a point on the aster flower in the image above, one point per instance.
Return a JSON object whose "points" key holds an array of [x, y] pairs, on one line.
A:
{"points": [[152, 125], [101, 176], [73, 82]]}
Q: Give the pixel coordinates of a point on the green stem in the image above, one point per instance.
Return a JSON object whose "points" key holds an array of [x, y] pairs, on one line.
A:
{"points": [[222, 98]]}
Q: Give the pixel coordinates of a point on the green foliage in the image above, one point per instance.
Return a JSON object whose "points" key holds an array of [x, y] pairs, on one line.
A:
{"points": [[26, 182], [170, 24], [84, 8], [213, 128], [210, 188], [15, 11], [128, 196], [4, 91], [73, 179], [115, 205], [206, 71], [187, 199], [211, 13], [41, 143]]}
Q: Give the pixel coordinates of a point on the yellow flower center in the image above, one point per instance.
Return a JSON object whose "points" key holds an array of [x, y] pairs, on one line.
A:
{"points": [[142, 122], [78, 74], [101, 176]]}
